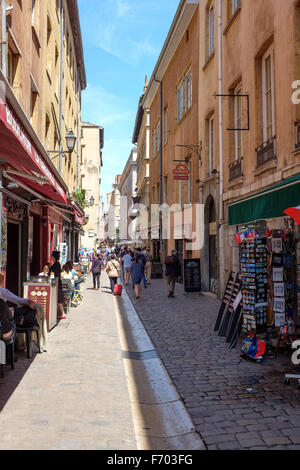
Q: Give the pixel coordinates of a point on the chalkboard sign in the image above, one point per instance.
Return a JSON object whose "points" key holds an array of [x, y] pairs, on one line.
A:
{"points": [[192, 275]]}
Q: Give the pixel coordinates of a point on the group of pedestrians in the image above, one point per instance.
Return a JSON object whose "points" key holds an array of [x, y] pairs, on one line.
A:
{"points": [[135, 264]]}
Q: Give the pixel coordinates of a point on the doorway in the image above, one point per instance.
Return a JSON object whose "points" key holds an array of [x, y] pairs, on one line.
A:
{"points": [[212, 248], [13, 270]]}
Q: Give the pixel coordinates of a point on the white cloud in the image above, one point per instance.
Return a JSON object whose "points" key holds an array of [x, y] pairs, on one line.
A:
{"points": [[121, 29]]}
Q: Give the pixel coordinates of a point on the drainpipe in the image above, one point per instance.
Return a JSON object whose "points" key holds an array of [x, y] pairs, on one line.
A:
{"points": [[3, 38], [160, 170], [221, 203], [61, 83], [78, 124]]}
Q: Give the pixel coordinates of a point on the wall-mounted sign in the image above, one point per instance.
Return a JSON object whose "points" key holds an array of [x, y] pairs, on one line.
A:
{"points": [[181, 173]]}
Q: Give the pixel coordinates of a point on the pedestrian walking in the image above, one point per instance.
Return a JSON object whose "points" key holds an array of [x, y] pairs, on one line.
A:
{"points": [[104, 259], [137, 272], [96, 271], [113, 271], [172, 271], [127, 259], [143, 260], [148, 265]]}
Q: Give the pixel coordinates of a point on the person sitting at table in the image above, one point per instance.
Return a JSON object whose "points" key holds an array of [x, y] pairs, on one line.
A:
{"points": [[8, 329], [8, 296], [46, 270]]}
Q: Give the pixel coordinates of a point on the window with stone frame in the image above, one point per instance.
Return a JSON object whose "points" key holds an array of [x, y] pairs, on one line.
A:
{"points": [[154, 143], [180, 102], [210, 29]]}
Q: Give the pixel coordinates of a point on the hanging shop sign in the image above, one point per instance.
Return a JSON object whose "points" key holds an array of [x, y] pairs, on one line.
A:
{"points": [[181, 173]]}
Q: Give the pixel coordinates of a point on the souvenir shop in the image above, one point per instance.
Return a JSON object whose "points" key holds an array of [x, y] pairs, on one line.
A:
{"points": [[269, 263]]}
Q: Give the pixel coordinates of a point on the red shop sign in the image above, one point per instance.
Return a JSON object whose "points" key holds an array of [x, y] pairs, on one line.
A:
{"points": [[181, 172]]}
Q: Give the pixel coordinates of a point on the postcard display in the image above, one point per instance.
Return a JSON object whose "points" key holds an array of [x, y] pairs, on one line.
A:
{"points": [[254, 285], [283, 280]]}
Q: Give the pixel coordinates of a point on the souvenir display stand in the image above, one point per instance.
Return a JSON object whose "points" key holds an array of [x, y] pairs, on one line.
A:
{"points": [[263, 301], [254, 285]]}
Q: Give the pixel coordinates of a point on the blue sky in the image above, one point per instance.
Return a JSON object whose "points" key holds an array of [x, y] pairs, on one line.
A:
{"points": [[122, 41]]}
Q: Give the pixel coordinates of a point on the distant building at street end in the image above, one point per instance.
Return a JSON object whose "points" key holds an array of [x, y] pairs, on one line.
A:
{"points": [[91, 163], [128, 191], [113, 212]]}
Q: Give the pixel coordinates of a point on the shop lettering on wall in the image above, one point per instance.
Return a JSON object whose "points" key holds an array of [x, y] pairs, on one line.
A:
{"points": [[24, 139], [17, 130], [15, 209]]}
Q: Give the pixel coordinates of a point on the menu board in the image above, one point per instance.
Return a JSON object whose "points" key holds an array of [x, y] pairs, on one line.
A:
{"points": [[192, 275], [44, 294]]}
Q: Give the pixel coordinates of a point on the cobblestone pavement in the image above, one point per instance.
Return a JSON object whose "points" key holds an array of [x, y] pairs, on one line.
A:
{"points": [[235, 404], [75, 396]]}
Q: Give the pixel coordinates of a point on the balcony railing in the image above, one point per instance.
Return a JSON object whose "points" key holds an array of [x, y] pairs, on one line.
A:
{"points": [[266, 152], [236, 170]]}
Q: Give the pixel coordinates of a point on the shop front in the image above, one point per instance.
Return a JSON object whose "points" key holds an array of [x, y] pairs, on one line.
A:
{"points": [[32, 194], [269, 262]]}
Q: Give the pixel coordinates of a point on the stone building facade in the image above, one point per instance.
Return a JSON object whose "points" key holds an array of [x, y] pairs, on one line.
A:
{"points": [[172, 99], [259, 143]]}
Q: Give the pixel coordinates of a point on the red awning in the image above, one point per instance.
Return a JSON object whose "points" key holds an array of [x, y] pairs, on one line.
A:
{"points": [[18, 150], [78, 218]]}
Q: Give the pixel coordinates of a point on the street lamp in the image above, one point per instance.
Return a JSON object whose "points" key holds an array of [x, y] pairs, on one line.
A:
{"points": [[70, 141], [90, 202]]}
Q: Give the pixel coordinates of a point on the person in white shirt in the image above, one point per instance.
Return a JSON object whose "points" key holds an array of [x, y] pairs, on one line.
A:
{"points": [[127, 259]]}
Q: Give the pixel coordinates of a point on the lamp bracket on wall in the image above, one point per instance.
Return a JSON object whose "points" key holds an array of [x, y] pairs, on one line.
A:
{"points": [[193, 148]]}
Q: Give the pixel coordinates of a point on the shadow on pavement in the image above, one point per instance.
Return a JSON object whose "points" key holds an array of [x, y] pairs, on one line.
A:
{"points": [[12, 378]]}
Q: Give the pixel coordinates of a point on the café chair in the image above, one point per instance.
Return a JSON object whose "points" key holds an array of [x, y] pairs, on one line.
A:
{"points": [[10, 350], [28, 333]]}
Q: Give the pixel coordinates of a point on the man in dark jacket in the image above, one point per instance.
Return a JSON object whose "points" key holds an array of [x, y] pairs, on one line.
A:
{"points": [[96, 270], [172, 271]]}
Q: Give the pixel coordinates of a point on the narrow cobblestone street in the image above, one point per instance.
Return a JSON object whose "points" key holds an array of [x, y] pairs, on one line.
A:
{"points": [[235, 404], [75, 395]]}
